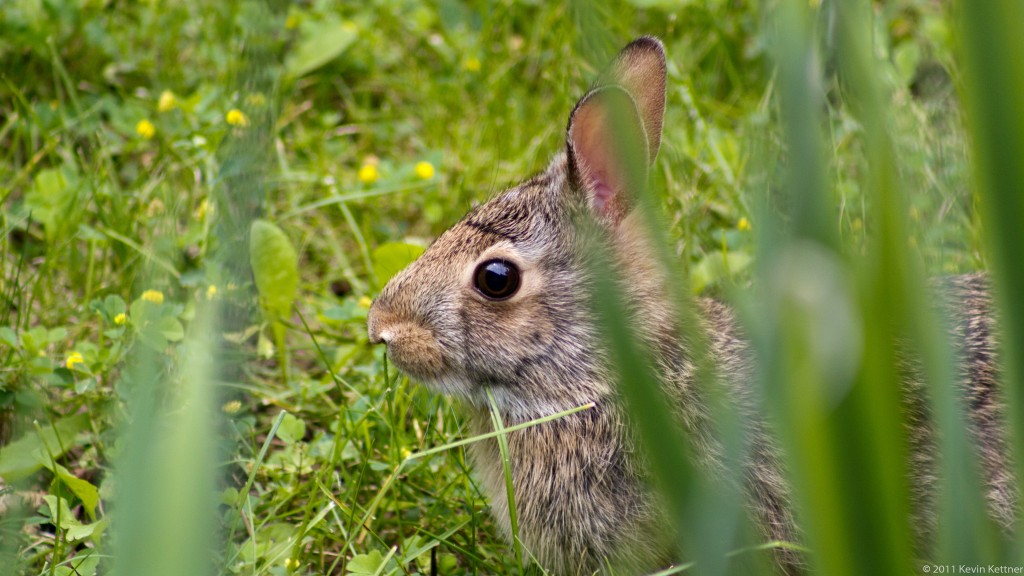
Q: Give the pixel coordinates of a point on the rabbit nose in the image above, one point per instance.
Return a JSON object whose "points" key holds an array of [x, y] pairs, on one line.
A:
{"points": [[373, 325]]}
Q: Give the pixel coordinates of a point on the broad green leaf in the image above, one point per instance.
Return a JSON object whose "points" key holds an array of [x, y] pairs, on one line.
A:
{"points": [[716, 266], [52, 199], [84, 563], [22, 457], [390, 258], [171, 328], [86, 492], [275, 267], [320, 42], [83, 531], [67, 519], [366, 563], [292, 429], [8, 336]]}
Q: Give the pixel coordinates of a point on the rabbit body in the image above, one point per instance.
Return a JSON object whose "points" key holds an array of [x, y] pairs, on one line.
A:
{"points": [[582, 498]]}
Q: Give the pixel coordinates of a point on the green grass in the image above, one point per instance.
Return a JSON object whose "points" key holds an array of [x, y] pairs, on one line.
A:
{"points": [[108, 462]]}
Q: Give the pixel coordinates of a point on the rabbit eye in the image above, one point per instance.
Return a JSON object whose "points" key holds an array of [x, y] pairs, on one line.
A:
{"points": [[497, 279]]}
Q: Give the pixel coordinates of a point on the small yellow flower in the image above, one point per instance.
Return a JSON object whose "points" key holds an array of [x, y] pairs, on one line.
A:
{"points": [[167, 101], [202, 209], [365, 302], [744, 224], [121, 319], [145, 129], [236, 117], [291, 22], [472, 64], [154, 296], [425, 170], [231, 406], [368, 173], [291, 564], [211, 291], [406, 452], [74, 358]]}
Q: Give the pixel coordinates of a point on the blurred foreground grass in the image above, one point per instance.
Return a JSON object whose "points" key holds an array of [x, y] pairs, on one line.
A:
{"points": [[138, 141]]}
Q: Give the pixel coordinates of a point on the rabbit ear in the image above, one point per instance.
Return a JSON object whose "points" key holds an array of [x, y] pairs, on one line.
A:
{"points": [[640, 70], [615, 130]]}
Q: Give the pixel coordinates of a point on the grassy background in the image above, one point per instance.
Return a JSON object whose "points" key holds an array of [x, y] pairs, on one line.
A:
{"points": [[319, 116]]}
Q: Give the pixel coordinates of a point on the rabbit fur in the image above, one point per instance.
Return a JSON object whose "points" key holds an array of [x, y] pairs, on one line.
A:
{"points": [[582, 499]]}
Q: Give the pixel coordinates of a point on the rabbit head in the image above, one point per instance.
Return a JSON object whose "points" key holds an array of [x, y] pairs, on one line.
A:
{"points": [[500, 300]]}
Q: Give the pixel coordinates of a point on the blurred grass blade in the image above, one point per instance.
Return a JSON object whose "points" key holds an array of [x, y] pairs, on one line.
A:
{"points": [[800, 270], [993, 85], [893, 288], [699, 469], [166, 475]]}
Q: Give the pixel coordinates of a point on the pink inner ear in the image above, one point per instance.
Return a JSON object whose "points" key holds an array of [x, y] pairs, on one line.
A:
{"points": [[595, 159], [602, 192]]}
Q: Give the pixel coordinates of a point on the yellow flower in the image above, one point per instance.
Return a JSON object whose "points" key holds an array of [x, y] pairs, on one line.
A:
{"points": [[167, 101], [121, 319], [236, 117], [425, 170], [291, 22], [744, 224], [211, 291], [365, 302], [154, 296], [406, 452], [368, 173], [291, 564], [202, 209], [145, 129], [74, 358], [231, 406], [472, 64]]}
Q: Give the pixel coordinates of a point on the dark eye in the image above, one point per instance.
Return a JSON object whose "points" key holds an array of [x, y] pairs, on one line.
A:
{"points": [[497, 279]]}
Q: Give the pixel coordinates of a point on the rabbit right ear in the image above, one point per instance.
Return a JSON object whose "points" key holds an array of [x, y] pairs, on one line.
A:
{"points": [[615, 130]]}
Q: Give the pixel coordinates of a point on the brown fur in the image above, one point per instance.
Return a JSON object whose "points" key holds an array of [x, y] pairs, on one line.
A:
{"points": [[581, 497]]}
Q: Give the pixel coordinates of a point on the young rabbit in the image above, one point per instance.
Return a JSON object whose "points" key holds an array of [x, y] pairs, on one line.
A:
{"points": [[500, 302]]}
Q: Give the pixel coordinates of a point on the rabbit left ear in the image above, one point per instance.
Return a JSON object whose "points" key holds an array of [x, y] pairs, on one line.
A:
{"points": [[615, 130]]}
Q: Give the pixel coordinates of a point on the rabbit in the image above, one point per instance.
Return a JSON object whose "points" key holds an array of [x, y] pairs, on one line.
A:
{"points": [[500, 302]]}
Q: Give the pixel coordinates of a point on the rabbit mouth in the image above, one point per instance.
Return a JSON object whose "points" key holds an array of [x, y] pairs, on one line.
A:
{"points": [[449, 386]]}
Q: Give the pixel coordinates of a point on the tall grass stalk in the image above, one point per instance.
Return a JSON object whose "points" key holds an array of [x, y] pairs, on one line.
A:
{"points": [[993, 86], [166, 477]]}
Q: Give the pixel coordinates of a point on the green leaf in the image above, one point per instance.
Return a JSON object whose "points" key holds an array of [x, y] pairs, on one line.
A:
{"points": [[717, 266], [83, 531], [368, 564], [907, 57], [67, 519], [171, 328], [86, 492], [84, 563], [8, 336], [390, 258], [52, 199], [292, 429], [320, 42], [275, 267], [21, 458]]}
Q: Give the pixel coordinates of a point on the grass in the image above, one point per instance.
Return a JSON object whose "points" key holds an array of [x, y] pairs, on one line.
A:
{"points": [[138, 142]]}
